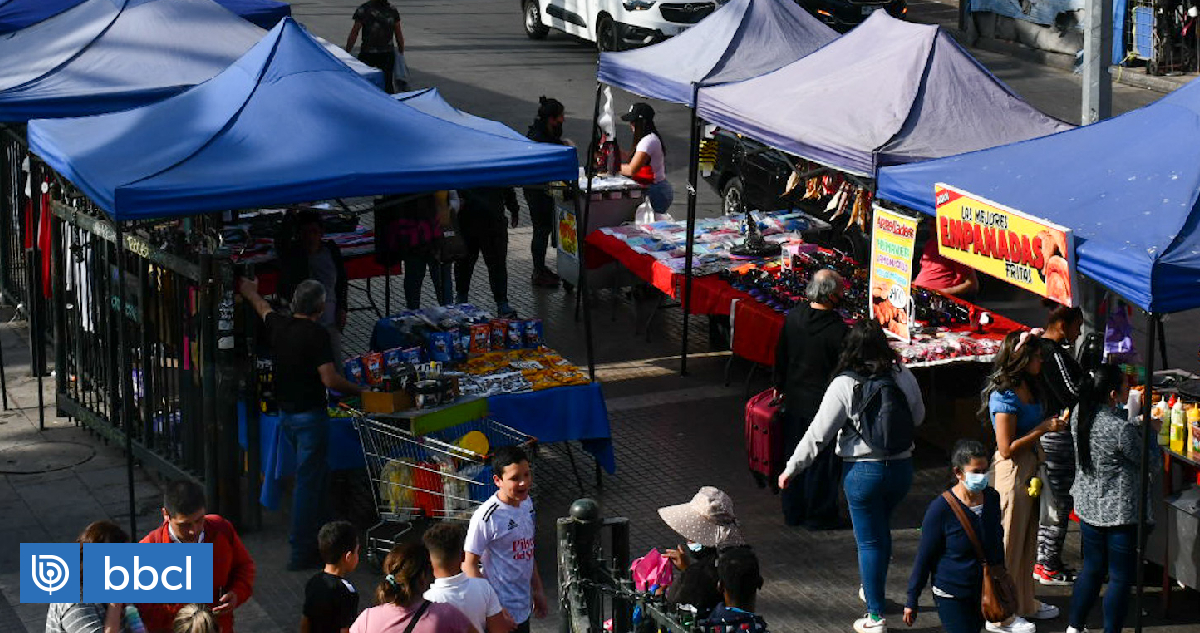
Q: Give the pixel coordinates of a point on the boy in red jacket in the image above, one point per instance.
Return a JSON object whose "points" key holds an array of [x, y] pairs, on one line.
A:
{"points": [[184, 521]]}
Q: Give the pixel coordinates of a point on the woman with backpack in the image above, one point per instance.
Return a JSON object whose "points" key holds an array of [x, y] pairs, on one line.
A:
{"points": [[1013, 403], [871, 407]]}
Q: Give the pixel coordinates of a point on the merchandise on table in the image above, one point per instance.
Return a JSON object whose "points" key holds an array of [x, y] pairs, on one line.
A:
{"points": [[252, 238]]}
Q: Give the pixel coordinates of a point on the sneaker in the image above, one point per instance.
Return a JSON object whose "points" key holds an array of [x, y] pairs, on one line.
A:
{"points": [[550, 274], [505, 311], [1071, 629], [870, 624], [1016, 625], [1057, 578], [1044, 612]]}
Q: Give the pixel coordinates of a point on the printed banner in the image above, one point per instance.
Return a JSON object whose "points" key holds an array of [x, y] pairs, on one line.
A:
{"points": [[1007, 244], [568, 234], [893, 238]]}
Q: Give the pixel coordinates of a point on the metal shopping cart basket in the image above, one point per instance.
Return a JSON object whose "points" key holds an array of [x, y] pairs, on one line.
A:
{"points": [[429, 476]]}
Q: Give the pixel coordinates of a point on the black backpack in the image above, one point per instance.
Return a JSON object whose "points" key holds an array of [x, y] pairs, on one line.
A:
{"points": [[885, 420]]}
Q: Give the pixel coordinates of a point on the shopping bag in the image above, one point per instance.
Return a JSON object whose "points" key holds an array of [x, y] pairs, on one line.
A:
{"points": [[400, 73], [644, 213], [652, 569]]}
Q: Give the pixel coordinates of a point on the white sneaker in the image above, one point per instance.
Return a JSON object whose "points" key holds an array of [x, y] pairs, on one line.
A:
{"points": [[1044, 612], [868, 624], [1071, 629], [1017, 625]]}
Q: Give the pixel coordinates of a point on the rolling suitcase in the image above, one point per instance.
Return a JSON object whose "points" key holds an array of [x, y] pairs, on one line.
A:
{"points": [[764, 437]]}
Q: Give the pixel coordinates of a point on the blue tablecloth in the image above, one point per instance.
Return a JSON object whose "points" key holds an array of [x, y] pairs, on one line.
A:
{"points": [[562, 414]]}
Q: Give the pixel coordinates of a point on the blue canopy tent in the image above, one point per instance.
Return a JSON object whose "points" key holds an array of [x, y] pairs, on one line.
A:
{"points": [[224, 144], [888, 92], [743, 39], [18, 14], [430, 102], [109, 55], [1127, 187]]}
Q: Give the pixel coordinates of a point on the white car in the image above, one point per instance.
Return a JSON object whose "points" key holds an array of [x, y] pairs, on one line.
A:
{"points": [[615, 24]]}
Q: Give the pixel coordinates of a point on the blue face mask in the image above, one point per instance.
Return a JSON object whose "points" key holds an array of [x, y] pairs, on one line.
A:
{"points": [[975, 482], [695, 547]]}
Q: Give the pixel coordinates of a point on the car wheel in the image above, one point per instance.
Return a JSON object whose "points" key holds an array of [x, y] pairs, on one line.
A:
{"points": [[732, 197], [608, 40], [534, 29]]}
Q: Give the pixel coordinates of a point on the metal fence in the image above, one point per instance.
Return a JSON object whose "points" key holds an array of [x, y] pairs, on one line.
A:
{"points": [[594, 584]]}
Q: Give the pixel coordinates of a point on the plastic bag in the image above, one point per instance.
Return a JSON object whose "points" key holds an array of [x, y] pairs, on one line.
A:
{"points": [[645, 214], [652, 569]]}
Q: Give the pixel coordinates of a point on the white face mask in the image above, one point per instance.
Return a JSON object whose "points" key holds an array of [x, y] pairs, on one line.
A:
{"points": [[695, 547]]}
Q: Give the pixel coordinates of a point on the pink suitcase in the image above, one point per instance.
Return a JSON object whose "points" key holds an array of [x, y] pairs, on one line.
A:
{"points": [[764, 435]]}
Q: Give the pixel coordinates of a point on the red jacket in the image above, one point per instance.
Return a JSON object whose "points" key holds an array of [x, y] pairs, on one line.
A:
{"points": [[233, 570]]}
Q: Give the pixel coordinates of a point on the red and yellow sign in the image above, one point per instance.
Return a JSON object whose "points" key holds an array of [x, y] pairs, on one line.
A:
{"points": [[1027, 252]]}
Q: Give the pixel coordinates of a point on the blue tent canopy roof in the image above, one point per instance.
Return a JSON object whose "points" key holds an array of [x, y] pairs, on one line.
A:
{"points": [[743, 39], [888, 92], [430, 102], [18, 14], [108, 55], [1127, 187], [286, 123]]}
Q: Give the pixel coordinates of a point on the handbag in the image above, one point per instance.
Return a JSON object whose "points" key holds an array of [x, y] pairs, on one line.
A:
{"points": [[998, 601]]}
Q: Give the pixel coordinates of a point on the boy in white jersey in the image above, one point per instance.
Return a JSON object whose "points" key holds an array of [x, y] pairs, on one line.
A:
{"points": [[500, 539]]}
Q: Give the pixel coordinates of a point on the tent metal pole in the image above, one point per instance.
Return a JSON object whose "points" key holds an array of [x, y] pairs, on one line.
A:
{"points": [[581, 231], [122, 392], [1152, 324], [690, 238]]}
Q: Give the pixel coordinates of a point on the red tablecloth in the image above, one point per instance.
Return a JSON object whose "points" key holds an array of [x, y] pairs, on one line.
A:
{"points": [[756, 330], [710, 294], [361, 267]]}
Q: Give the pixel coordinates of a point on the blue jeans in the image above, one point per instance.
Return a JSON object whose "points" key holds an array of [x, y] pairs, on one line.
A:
{"points": [[414, 279], [661, 194], [308, 432], [873, 490], [960, 615], [1111, 550]]}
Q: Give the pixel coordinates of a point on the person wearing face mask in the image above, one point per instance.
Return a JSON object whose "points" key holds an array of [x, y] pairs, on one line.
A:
{"points": [[805, 357], [711, 529], [1108, 465], [1059, 384], [947, 553], [546, 128], [1012, 402]]}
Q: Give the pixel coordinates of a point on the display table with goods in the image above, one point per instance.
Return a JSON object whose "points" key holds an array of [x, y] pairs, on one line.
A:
{"points": [[655, 252], [1175, 400], [614, 201], [429, 362], [252, 240]]}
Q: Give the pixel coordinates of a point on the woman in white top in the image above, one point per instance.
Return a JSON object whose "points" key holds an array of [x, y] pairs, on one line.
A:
{"points": [[646, 166], [871, 407]]}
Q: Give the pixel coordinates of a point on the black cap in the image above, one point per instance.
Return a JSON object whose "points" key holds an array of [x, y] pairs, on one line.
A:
{"points": [[638, 111]]}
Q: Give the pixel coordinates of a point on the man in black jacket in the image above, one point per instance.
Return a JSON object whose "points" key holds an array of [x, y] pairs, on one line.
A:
{"points": [[546, 128], [484, 230], [311, 256], [805, 360]]}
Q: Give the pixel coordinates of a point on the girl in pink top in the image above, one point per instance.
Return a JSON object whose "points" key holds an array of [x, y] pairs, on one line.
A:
{"points": [[402, 609]]}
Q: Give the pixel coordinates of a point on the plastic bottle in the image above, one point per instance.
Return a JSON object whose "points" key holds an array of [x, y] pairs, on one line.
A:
{"points": [[1134, 406], [1193, 436], [1178, 426]]}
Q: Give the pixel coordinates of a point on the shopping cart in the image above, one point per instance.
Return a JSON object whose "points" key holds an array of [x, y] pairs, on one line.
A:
{"points": [[427, 477]]}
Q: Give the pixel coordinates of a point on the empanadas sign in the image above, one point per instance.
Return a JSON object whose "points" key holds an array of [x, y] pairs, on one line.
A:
{"points": [[1023, 250]]}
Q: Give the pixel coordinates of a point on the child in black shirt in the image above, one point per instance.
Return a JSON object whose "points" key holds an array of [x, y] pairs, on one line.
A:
{"points": [[330, 601]]}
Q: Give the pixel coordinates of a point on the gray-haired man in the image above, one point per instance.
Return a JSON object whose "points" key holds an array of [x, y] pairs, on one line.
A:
{"points": [[805, 360], [304, 368]]}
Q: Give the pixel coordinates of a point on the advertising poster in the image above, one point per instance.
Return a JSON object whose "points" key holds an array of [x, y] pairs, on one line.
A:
{"points": [[893, 238], [568, 236], [1007, 244]]}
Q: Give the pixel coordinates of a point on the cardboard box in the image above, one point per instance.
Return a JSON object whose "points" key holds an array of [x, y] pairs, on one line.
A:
{"points": [[386, 401]]}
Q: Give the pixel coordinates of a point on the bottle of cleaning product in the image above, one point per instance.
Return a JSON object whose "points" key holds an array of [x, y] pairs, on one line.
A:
{"points": [[1164, 431], [1178, 424], [1193, 433]]}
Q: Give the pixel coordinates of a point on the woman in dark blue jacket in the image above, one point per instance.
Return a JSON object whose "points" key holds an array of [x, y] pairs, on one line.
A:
{"points": [[946, 552]]}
